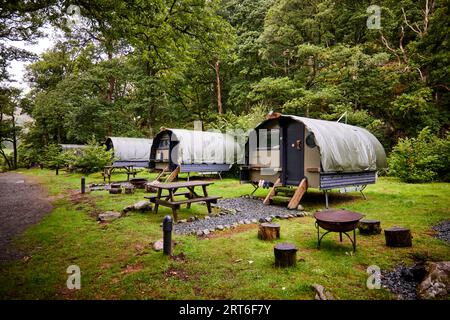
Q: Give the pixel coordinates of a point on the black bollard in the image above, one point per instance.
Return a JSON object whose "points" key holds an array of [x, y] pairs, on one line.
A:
{"points": [[83, 184], [167, 235], [57, 170]]}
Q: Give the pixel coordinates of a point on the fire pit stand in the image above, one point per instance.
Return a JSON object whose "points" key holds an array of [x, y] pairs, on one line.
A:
{"points": [[341, 221]]}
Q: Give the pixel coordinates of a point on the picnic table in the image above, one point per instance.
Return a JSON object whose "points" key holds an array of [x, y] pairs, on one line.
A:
{"points": [[191, 196], [108, 170]]}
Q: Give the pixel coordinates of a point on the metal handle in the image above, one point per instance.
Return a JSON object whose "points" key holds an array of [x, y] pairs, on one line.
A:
{"points": [[298, 144]]}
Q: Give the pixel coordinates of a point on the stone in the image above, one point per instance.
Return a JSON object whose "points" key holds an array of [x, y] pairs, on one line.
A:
{"points": [[109, 216], [212, 229], [300, 208], [247, 221], [240, 222], [158, 245], [207, 217], [206, 232], [254, 221], [220, 227], [199, 233], [227, 226], [262, 220], [321, 293], [143, 205], [437, 281], [268, 219], [182, 221]]}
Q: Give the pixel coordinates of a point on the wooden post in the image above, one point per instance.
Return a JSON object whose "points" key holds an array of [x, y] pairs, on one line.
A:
{"points": [[83, 184], [398, 237], [369, 227], [285, 255], [269, 231], [302, 187]]}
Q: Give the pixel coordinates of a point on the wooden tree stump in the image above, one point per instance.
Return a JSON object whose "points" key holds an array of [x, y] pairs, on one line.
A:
{"points": [[285, 255], [369, 227], [398, 237], [129, 190], [269, 231], [115, 190]]}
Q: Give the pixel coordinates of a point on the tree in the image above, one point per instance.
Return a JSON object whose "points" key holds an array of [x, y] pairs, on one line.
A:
{"points": [[9, 130]]}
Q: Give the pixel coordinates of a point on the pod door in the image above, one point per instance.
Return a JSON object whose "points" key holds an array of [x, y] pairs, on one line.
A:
{"points": [[293, 153]]}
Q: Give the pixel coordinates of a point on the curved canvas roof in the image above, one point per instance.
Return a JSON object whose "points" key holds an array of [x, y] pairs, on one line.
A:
{"points": [[343, 147], [202, 146], [130, 149]]}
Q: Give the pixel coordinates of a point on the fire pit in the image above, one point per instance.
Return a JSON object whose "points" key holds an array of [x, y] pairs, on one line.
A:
{"points": [[340, 221], [138, 182]]}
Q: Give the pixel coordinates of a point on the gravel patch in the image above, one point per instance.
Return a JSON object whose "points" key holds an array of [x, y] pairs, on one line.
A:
{"points": [[22, 204], [443, 231], [233, 212], [403, 280]]}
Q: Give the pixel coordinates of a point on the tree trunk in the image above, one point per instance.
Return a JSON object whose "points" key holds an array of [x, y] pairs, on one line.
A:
{"points": [[369, 227], [269, 231], [219, 90], [398, 237], [14, 140], [285, 255]]}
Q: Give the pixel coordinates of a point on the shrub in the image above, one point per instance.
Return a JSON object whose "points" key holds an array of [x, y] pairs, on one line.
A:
{"points": [[92, 158], [422, 159]]}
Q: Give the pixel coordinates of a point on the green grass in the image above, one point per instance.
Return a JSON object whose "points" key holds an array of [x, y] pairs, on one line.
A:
{"points": [[117, 260]]}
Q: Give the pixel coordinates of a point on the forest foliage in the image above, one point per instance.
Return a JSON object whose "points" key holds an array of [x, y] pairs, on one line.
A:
{"points": [[128, 69]]}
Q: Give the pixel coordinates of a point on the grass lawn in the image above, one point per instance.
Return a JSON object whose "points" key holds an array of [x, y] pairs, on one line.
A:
{"points": [[117, 260]]}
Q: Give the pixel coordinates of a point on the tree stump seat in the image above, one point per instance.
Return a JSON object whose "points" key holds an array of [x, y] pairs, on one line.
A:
{"points": [[129, 190], [269, 231], [398, 237], [115, 190], [285, 255], [369, 227]]}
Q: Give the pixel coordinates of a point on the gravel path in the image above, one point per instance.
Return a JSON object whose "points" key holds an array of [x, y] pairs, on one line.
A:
{"points": [[443, 231], [22, 204], [235, 211]]}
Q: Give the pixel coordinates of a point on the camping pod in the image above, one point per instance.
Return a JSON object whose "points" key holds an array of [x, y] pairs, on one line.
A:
{"points": [[285, 149], [129, 152], [193, 151]]}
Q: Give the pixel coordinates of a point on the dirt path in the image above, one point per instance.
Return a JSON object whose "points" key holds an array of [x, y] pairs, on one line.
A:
{"points": [[22, 204]]}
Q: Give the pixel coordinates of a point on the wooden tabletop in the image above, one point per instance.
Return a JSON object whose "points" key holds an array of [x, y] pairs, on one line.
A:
{"points": [[180, 184]]}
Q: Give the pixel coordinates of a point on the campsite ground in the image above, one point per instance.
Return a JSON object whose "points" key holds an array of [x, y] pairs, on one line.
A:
{"points": [[117, 260]]}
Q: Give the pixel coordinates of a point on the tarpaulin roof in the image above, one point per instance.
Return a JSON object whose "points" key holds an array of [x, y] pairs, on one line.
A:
{"points": [[202, 146], [343, 147], [130, 149], [65, 146]]}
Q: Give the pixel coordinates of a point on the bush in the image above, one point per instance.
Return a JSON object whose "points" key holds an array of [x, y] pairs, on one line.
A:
{"points": [[92, 158], [422, 159], [28, 155]]}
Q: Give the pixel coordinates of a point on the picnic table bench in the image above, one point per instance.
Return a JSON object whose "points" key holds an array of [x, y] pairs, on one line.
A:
{"points": [[191, 196]]}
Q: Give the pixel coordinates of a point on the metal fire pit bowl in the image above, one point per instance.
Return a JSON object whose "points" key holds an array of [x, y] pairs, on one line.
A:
{"points": [[340, 221], [138, 182]]}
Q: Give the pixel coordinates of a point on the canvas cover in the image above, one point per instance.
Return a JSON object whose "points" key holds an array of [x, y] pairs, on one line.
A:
{"points": [[343, 147], [131, 149], [203, 147]]}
